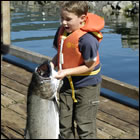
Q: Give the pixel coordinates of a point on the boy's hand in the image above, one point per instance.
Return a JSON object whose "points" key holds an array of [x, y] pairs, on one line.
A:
{"points": [[61, 74]]}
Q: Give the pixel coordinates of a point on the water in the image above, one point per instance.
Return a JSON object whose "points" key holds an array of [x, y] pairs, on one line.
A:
{"points": [[119, 49]]}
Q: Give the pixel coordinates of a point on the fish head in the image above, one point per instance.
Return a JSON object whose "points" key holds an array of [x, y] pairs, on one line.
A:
{"points": [[44, 83], [44, 69]]}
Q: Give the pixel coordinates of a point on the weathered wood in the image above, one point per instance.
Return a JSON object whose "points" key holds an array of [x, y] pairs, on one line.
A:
{"points": [[12, 74], [117, 122], [13, 95], [5, 17], [108, 83], [114, 109], [3, 137], [28, 55], [114, 120], [14, 101], [13, 120], [14, 85], [109, 129], [120, 87], [10, 133], [102, 135], [6, 102], [113, 132]]}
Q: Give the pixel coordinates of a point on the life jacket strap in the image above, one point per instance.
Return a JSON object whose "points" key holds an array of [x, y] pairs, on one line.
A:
{"points": [[99, 35], [89, 73], [72, 87], [84, 74], [61, 59]]}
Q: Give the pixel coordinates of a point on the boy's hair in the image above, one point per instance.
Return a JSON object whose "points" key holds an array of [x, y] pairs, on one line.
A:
{"points": [[77, 7]]}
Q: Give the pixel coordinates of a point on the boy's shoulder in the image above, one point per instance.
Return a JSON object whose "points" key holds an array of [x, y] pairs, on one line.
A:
{"points": [[88, 38]]}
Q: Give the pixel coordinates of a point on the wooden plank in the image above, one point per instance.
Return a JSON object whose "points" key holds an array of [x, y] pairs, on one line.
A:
{"points": [[12, 120], [104, 101], [14, 67], [13, 95], [106, 131], [19, 109], [14, 72], [102, 135], [28, 55], [5, 15], [3, 136], [14, 101], [118, 123], [129, 136], [14, 85], [113, 132], [120, 111], [10, 133], [117, 120], [6, 102], [110, 130], [120, 87]]}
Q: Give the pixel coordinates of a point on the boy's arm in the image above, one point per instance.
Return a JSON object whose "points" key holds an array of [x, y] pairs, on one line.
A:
{"points": [[89, 66]]}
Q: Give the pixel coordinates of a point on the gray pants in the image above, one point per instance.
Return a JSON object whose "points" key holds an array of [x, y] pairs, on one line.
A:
{"points": [[83, 113]]}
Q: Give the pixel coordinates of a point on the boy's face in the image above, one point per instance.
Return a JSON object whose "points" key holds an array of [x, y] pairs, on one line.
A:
{"points": [[70, 21]]}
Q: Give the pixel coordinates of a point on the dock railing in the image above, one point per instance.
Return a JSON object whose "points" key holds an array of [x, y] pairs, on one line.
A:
{"points": [[107, 82]]}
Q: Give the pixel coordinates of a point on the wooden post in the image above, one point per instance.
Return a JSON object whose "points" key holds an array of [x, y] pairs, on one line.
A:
{"points": [[5, 22]]}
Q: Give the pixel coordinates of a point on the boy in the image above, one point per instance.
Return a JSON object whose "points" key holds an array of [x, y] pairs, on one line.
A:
{"points": [[77, 42]]}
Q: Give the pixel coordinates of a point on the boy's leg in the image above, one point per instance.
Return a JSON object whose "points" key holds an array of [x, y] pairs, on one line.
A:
{"points": [[86, 110], [66, 112]]}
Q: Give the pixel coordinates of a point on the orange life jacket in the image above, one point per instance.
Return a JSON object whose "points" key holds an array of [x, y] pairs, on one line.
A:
{"points": [[72, 57], [68, 51]]}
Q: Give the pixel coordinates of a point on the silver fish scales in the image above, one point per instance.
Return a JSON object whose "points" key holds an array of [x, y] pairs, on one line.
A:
{"points": [[42, 104]]}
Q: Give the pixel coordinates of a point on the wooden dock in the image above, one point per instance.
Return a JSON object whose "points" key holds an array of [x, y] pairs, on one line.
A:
{"points": [[114, 120]]}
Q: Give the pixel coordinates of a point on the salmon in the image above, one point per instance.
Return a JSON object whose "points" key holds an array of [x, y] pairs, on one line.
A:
{"points": [[42, 104]]}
